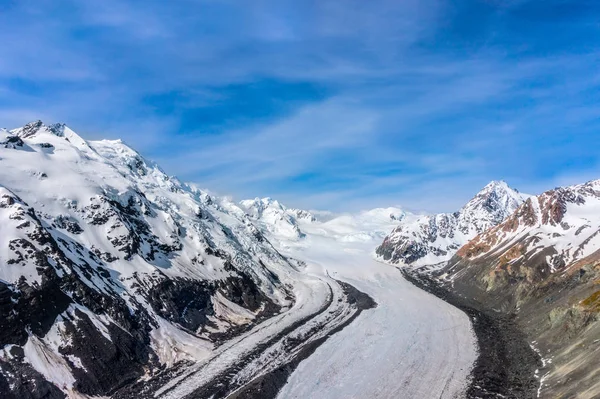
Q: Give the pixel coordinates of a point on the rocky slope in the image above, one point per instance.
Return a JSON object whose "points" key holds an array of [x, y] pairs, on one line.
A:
{"points": [[111, 270], [432, 239], [541, 266]]}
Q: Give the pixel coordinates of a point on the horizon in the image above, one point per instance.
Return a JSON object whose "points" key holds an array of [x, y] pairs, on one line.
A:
{"points": [[316, 104], [413, 211]]}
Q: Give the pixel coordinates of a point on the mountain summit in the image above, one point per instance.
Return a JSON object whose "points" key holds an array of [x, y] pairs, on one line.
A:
{"points": [[277, 219], [433, 239]]}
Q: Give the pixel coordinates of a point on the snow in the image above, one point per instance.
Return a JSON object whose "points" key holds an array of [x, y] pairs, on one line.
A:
{"points": [[52, 366], [172, 345], [11, 217], [412, 345], [99, 321], [423, 240], [226, 309], [545, 362]]}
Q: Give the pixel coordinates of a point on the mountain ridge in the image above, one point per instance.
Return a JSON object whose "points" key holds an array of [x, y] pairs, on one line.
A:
{"points": [[540, 267], [433, 239], [97, 242], [291, 226]]}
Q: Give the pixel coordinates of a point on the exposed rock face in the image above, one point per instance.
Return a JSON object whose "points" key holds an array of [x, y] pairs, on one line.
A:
{"points": [[103, 258], [542, 266], [428, 240]]}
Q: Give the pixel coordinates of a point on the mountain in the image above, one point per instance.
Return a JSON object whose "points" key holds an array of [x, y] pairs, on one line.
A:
{"points": [[276, 218], [432, 239], [110, 270], [291, 227], [541, 266]]}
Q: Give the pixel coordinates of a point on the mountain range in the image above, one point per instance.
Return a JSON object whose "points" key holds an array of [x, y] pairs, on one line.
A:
{"points": [[113, 272], [541, 266], [288, 226], [116, 276], [432, 239]]}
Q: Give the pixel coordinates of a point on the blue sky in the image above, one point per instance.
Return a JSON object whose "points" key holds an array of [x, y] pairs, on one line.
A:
{"points": [[327, 104]]}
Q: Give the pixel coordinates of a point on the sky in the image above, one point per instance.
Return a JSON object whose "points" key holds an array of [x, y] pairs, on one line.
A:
{"points": [[330, 104]]}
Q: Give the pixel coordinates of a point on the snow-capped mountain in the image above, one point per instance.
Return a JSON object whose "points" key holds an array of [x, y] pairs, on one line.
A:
{"points": [[276, 218], [542, 266], [432, 239], [564, 223], [111, 270], [365, 226], [290, 226]]}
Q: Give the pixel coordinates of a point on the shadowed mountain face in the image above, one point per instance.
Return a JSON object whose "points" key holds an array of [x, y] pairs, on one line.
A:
{"points": [[429, 240], [542, 265], [111, 270]]}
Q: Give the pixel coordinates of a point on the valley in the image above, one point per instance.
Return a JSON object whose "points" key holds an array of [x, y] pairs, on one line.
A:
{"points": [[412, 344], [159, 289], [120, 281]]}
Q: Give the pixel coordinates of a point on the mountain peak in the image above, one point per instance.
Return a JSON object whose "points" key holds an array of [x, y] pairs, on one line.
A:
{"points": [[433, 239], [496, 201], [268, 201], [496, 193], [496, 184], [275, 217], [32, 128], [259, 205]]}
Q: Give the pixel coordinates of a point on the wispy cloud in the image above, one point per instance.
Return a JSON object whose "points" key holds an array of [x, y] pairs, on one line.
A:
{"points": [[281, 150]]}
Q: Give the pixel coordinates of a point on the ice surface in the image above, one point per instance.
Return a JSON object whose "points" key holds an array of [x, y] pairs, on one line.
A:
{"points": [[413, 345]]}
